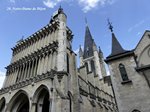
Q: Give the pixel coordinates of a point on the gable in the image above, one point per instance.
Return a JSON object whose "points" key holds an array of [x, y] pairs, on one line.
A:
{"points": [[142, 50]]}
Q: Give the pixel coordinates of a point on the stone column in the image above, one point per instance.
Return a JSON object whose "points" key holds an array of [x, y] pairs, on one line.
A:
{"points": [[14, 75], [36, 66], [22, 72], [47, 62], [33, 107], [39, 63], [43, 64], [26, 70], [54, 60], [31, 68]]}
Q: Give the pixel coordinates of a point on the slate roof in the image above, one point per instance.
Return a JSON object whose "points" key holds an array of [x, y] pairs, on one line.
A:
{"points": [[117, 50], [116, 47], [88, 44]]}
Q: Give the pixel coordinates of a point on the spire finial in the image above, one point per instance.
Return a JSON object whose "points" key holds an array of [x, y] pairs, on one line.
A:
{"points": [[86, 21], [99, 49], [110, 26]]}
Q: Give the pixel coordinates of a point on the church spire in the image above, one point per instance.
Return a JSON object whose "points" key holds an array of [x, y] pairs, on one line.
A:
{"points": [[88, 43], [116, 46], [80, 51]]}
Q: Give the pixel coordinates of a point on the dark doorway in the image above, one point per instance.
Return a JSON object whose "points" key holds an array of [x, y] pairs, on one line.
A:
{"points": [[46, 103], [24, 107]]}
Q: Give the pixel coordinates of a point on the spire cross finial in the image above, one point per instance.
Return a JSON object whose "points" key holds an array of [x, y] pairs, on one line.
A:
{"points": [[110, 26]]}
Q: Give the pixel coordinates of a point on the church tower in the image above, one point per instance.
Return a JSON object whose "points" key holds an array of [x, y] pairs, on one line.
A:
{"points": [[43, 75], [129, 79], [91, 56], [42, 67], [94, 85]]}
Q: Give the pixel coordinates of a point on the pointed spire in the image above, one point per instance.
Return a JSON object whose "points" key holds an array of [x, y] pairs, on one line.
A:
{"points": [[116, 46], [94, 46], [88, 42], [80, 52]]}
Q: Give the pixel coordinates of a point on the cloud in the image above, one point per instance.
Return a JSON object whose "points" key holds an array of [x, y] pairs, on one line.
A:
{"points": [[12, 1], [2, 77], [92, 4], [51, 3], [136, 25], [86, 5]]}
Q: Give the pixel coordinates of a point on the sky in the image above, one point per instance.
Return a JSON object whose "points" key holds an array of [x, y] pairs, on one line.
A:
{"points": [[21, 18]]}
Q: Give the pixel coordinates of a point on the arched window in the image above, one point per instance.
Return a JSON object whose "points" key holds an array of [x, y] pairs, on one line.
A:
{"points": [[123, 72], [136, 110]]}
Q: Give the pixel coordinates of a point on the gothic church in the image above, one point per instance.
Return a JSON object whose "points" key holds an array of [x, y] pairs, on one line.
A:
{"points": [[43, 75]]}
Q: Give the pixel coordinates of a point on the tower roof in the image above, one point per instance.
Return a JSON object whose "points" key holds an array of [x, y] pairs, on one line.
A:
{"points": [[80, 51], [88, 44], [116, 46]]}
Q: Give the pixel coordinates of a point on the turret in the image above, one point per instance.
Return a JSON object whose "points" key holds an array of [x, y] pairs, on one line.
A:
{"points": [[62, 40]]}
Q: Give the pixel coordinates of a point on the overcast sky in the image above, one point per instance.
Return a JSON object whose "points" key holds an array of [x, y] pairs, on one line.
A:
{"points": [[19, 18]]}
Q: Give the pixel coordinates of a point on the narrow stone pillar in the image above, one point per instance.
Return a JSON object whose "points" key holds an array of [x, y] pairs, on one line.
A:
{"points": [[22, 72], [26, 70], [39, 63], [31, 69], [33, 107], [47, 62], [36, 67]]}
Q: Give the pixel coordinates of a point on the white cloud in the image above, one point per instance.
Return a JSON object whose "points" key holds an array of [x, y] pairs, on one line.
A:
{"points": [[136, 25], [86, 5], [2, 77], [12, 1], [51, 3], [91, 4]]}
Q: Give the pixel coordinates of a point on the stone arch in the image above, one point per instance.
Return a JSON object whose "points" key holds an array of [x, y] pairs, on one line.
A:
{"points": [[42, 99], [144, 55], [135, 110], [19, 102], [2, 104]]}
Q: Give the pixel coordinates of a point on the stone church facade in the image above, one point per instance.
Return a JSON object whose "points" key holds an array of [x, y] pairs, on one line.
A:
{"points": [[130, 74], [43, 74]]}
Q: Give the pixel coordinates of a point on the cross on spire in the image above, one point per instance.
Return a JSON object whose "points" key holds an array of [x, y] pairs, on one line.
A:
{"points": [[110, 25]]}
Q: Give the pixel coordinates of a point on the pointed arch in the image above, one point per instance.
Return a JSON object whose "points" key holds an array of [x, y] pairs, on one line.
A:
{"points": [[41, 98], [2, 104], [135, 110], [19, 102]]}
